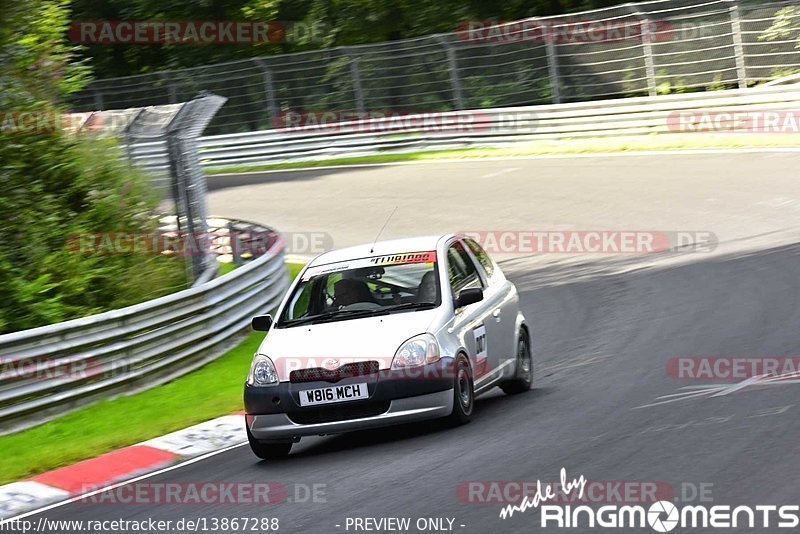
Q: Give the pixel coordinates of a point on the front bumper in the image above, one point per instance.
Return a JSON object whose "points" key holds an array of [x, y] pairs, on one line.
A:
{"points": [[275, 413], [278, 426]]}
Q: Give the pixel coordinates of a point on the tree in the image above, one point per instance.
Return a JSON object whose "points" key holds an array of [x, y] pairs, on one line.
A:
{"points": [[54, 185], [342, 23]]}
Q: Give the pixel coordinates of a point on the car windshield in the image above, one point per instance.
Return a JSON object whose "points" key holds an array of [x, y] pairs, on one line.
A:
{"points": [[364, 287]]}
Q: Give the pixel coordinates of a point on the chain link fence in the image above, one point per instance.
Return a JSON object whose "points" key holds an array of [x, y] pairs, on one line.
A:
{"points": [[163, 141], [650, 48]]}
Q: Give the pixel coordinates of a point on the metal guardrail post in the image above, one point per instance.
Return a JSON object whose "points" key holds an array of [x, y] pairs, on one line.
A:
{"points": [[128, 138], [98, 100], [183, 205], [552, 65], [173, 92], [358, 91], [455, 78], [647, 48], [738, 45], [269, 89], [236, 244], [649, 63]]}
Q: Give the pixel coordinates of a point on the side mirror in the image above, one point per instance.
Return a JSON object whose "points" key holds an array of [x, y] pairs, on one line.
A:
{"points": [[262, 323], [469, 296]]}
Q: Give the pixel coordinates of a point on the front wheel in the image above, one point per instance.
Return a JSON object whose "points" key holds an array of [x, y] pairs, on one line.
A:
{"points": [[269, 451], [463, 392], [523, 377]]}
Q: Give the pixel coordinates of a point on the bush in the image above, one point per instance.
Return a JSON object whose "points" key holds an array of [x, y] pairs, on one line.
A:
{"points": [[53, 186]]}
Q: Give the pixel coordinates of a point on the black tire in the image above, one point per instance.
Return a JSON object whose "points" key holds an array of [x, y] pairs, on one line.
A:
{"points": [[267, 450], [463, 392], [523, 375]]}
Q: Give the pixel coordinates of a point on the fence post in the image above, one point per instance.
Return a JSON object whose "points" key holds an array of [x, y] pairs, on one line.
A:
{"points": [[455, 78], [98, 100], [269, 90], [649, 65], [358, 92], [236, 244], [173, 93], [738, 46], [647, 45], [552, 64]]}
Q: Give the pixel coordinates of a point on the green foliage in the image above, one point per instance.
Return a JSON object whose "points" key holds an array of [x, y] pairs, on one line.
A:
{"points": [[37, 65], [335, 23], [785, 27], [54, 185]]}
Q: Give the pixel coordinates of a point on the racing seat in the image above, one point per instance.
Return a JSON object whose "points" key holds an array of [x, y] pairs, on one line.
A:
{"points": [[348, 291], [426, 292]]}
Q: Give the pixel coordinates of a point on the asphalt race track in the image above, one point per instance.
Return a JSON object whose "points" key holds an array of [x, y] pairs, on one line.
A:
{"points": [[602, 340]]}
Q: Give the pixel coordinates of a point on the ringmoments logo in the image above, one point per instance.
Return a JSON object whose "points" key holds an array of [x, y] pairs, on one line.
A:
{"points": [[660, 516], [664, 516]]}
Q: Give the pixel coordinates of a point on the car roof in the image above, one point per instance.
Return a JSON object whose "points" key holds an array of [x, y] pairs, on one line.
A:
{"points": [[392, 246]]}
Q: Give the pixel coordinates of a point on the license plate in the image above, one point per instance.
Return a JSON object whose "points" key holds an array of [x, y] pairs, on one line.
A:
{"points": [[349, 392]]}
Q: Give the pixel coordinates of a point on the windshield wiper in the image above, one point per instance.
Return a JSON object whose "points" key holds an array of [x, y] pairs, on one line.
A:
{"points": [[332, 315], [351, 314], [412, 306]]}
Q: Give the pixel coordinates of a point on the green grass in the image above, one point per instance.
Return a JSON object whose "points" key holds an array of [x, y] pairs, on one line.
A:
{"points": [[212, 391], [294, 268], [568, 146], [225, 268]]}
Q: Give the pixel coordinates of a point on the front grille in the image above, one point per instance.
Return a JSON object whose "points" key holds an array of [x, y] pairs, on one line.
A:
{"points": [[348, 370], [342, 412]]}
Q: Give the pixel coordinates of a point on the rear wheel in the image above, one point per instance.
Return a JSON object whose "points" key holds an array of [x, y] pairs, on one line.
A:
{"points": [[269, 450], [463, 392], [523, 377]]}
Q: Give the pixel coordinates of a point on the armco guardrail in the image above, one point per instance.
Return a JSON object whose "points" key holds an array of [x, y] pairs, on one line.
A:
{"points": [[491, 127], [49, 370]]}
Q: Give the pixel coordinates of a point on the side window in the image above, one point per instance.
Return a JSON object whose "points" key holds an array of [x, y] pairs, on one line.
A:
{"points": [[300, 304], [461, 270], [482, 256]]}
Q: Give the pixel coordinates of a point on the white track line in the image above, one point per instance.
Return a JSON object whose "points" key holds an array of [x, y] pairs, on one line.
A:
{"points": [[120, 484], [627, 154]]}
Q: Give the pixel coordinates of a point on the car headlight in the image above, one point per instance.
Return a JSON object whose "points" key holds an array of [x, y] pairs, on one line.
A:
{"points": [[262, 372], [418, 350]]}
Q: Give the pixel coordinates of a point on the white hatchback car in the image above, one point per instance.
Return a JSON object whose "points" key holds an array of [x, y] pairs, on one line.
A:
{"points": [[382, 334]]}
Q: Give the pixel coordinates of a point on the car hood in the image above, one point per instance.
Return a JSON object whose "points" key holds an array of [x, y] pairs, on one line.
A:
{"points": [[370, 338]]}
